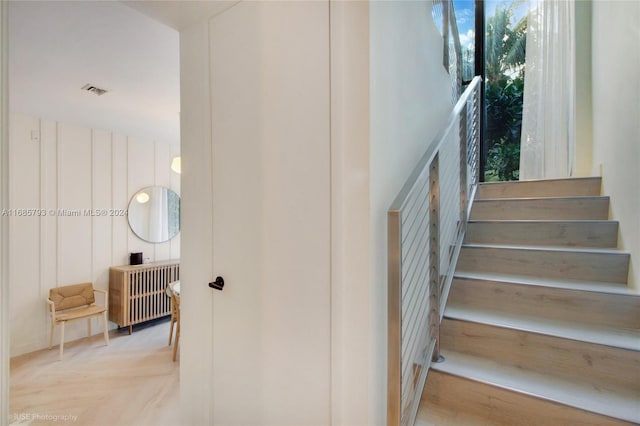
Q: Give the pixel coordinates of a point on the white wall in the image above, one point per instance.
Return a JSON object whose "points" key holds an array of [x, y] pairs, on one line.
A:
{"points": [[410, 101], [56, 166], [350, 258], [616, 117]]}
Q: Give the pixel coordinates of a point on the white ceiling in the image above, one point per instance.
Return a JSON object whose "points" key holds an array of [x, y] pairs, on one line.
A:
{"points": [[179, 14], [58, 47]]}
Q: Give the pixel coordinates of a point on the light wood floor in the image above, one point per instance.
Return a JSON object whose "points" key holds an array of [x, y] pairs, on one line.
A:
{"points": [[133, 381]]}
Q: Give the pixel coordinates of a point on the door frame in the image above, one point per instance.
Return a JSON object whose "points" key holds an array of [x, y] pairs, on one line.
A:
{"points": [[353, 399], [196, 217], [478, 63], [4, 220]]}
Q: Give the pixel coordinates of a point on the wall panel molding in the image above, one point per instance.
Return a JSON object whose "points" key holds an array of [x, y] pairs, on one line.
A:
{"points": [[80, 170]]}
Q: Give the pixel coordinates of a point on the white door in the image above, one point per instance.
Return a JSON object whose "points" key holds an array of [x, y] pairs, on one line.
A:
{"points": [[256, 211]]}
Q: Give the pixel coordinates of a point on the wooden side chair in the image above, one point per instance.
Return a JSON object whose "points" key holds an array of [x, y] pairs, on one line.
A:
{"points": [[174, 312], [73, 302], [175, 317]]}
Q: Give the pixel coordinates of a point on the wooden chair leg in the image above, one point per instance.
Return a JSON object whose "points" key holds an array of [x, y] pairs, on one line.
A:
{"points": [[171, 329], [51, 334], [106, 327], [175, 343], [61, 338]]}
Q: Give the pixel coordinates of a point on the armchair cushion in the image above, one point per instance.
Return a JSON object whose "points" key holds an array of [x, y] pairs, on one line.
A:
{"points": [[72, 296], [80, 313]]}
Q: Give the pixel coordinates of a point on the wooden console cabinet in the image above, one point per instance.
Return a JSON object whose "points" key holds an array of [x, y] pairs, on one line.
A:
{"points": [[138, 293]]}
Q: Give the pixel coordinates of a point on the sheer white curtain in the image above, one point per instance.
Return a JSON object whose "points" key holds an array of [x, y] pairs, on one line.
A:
{"points": [[158, 214], [548, 122]]}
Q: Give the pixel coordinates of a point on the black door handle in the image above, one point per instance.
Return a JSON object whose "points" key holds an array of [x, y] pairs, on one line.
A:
{"points": [[217, 284]]}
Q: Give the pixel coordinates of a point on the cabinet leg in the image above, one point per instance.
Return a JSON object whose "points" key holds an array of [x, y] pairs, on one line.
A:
{"points": [[130, 329]]}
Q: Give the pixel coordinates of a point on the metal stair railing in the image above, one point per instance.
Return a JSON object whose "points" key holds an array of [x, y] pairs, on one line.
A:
{"points": [[426, 225]]}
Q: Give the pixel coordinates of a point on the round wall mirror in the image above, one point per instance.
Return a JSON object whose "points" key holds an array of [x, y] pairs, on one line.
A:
{"points": [[154, 214]]}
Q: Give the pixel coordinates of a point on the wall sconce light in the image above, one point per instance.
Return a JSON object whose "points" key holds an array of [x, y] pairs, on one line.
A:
{"points": [[176, 165], [142, 197]]}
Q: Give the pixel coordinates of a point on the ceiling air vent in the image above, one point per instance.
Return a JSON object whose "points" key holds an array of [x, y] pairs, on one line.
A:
{"points": [[93, 89]]}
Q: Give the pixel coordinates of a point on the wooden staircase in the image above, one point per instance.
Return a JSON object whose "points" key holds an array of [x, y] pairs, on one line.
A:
{"points": [[540, 327]]}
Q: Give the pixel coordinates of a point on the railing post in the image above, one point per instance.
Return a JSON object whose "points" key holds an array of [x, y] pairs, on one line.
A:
{"points": [[394, 320], [464, 187], [434, 256], [478, 134]]}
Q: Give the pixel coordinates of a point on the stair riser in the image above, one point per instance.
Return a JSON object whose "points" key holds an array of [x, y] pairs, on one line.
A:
{"points": [[594, 365], [566, 234], [604, 267], [590, 208], [549, 188], [604, 309], [445, 393]]}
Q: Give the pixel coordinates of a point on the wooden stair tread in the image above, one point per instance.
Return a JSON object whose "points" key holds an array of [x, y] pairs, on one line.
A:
{"points": [[618, 405], [546, 180], [599, 309], [542, 187], [534, 198], [562, 283], [543, 221], [559, 249], [545, 208], [588, 364], [615, 337], [451, 400], [458, 419], [607, 265], [544, 232]]}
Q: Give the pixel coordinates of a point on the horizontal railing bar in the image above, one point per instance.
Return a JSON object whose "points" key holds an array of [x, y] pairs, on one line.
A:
{"points": [[408, 299], [449, 278], [414, 342], [415, 237], [418, 177], [421, 382], [414, 312], [409, 263], [410, 211], [421, 229], [422, 185], [415, 321], [413, 307], [417, 264], [409, 218]]}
